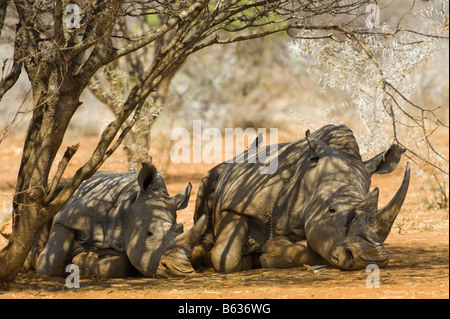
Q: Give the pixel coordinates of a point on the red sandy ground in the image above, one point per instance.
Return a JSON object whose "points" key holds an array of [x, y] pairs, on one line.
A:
{"points": [[418, 243]]}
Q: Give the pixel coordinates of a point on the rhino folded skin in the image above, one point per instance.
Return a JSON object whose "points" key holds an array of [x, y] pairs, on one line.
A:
{"points": [[320, 193], [119, 214]]}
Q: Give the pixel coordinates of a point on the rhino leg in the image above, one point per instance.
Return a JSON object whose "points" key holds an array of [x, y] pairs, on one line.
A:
{"points": [[231, 236], [110, 266], [53, 258], [201, 254], [280, 252]]}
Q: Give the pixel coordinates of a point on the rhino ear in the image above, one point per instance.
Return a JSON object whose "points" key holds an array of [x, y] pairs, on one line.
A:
{"points": [[181, 199], [146, 176], [385, 162], [317, 148]]}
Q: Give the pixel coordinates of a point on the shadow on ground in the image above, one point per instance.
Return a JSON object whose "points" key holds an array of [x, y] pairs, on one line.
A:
{"points": [[409, 266]]}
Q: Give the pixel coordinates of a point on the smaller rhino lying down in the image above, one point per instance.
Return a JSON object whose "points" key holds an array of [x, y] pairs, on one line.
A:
{"points": [[316, 209], [117, 225]]}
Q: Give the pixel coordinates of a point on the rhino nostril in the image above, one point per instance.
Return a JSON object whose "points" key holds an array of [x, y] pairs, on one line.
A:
{"points": [[349, 254], [163, 271]]}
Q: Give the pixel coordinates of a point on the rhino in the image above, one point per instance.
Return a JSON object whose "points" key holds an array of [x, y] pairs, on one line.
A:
{"points": [[316, 209], [119, 225]]}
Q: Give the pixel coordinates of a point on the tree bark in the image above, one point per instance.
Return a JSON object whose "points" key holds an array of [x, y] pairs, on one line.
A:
{"points": [[51, 117]]}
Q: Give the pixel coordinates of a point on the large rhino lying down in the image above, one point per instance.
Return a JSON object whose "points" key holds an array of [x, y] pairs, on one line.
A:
{"points": [[316, 209], [118, 224]]}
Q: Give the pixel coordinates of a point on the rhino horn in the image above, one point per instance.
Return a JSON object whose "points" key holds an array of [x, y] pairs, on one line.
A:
{"points": [[189, 239], [370, 203], [381, 221]]}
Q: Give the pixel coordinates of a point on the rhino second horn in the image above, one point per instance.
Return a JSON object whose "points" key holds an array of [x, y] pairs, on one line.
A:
{"points": [[370, 203], [383, 219], [189, 239]]}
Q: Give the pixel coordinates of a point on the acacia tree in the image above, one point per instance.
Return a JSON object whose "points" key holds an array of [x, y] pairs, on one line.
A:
{"points": [[114, 81], [60, 45]]}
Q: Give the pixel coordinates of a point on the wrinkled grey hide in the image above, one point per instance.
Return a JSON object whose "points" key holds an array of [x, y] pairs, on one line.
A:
{"points": [[117, 225], [316, 209]]}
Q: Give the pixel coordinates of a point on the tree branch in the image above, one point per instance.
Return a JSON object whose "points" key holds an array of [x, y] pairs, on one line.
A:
{"points": [[70, 152], [11, 79], [3, 8], [171, 23], [8, 82]]}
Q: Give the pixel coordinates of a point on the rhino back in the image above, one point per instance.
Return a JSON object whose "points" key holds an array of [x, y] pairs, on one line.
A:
{"points": [[340, 138], [96, 211], [240, 186], [274, 201], [263, 197]]}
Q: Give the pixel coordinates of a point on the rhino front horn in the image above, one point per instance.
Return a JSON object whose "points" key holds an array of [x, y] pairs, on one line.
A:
{"points": [[381, 221]]}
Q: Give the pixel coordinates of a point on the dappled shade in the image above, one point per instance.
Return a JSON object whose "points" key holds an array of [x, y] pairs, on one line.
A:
{"points": [[316, 209], [120, 224]]}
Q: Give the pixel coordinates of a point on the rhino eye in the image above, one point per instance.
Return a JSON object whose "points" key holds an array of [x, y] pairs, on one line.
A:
{"points": [[149, 234], [332, 210]]}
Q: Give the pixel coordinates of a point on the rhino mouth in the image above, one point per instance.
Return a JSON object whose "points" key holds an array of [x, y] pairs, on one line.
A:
{"points": [[176, 261], [168, 269], [350, 258]]}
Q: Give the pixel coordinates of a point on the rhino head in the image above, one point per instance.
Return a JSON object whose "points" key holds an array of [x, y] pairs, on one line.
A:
{"points": [[155, 244], [344, 224]]}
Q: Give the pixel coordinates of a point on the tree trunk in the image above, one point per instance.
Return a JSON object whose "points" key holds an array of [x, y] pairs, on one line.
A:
{"points": [[14, 254], [51, 116]]}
